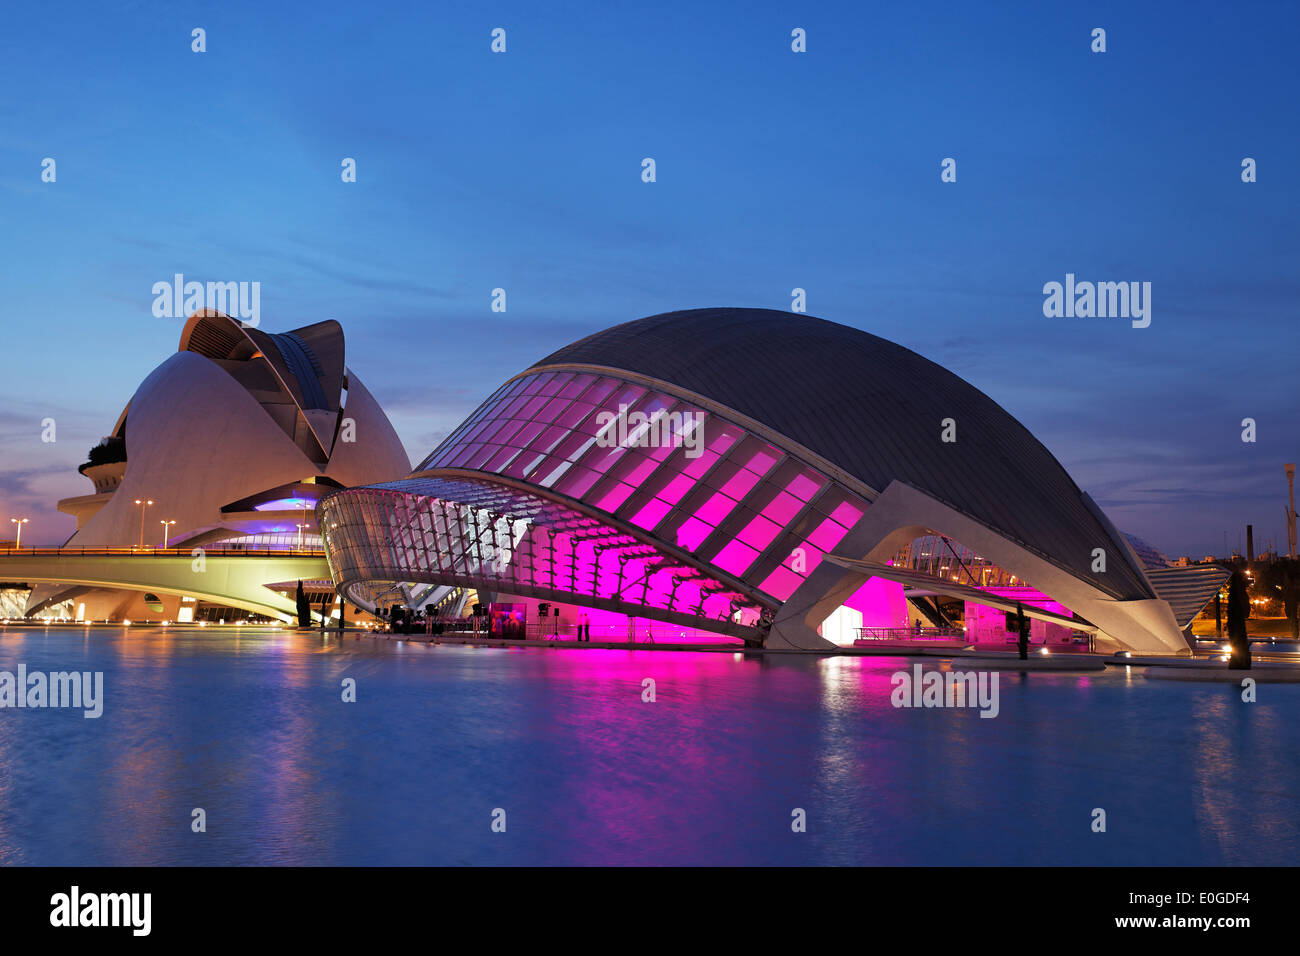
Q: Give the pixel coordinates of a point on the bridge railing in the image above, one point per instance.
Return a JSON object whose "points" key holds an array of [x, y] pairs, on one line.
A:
{"points": [[910, 633]]}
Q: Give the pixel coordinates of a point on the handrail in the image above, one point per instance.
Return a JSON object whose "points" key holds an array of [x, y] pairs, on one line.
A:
{"points": [[909, 633]]}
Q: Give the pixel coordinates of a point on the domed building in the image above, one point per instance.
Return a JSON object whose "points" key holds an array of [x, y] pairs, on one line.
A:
{"points": [[763, 476], [227, 445]]}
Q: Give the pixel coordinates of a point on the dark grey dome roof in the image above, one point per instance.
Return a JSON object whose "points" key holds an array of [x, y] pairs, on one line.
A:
{"points": [[874, 409]]}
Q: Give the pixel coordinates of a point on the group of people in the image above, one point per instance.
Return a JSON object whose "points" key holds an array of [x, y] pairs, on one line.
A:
{"points": [[404, 620]]}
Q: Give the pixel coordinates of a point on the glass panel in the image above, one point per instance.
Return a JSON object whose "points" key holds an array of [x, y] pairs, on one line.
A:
{"points": [[739, 484], [827, 535], [578, 481], [759, 533], [735, 558], [576, 385], [651, 514], [614, 497], [678, 486], [692, 532], [574, 414], [781, 583]]}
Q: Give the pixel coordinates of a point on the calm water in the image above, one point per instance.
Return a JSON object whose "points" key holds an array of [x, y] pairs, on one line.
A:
{"points": [[252, 729]]}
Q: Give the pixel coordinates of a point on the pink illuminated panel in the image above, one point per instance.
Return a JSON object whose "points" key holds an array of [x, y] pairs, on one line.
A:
{"points": [[560, 431], [692, 533], [759, 533], [736, 558]]}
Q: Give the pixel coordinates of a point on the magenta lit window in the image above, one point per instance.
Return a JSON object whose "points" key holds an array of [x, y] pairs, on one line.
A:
{"points": [[578, 481], [552, 409], [651, 514], [696, 467], [740, 484], [716, 508], [614, 497], [576, 385], [783, 508], [847, 514], [759, 533], [735, 558], [678, 486], [692, 532], [804, 487], [500, 459], [827, 535], [781, 583], [763, 461]]}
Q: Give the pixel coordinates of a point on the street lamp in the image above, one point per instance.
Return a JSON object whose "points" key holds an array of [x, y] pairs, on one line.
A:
{"points": [[143, 505], [20, 522], [165, 530], [303, 505]]}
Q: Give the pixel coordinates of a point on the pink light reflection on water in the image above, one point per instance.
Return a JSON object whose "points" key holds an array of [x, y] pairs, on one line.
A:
{"points": [[591, 774]]}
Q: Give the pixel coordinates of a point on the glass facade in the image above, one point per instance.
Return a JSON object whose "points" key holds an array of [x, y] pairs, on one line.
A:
{"points": [[269, 541], [942, 557], [568, 482]]}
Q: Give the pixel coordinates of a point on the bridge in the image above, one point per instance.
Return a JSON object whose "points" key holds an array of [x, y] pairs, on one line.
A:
{"points": [[234, 577]]}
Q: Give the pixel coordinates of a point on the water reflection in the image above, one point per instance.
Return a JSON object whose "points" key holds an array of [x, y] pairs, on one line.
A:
{"points": [[251, 726]]}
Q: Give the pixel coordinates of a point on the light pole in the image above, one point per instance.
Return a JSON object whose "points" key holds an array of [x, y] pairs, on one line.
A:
{"points": [[1290, 512], [303, 506], [165, 530], [143, 505], [20, 522]]}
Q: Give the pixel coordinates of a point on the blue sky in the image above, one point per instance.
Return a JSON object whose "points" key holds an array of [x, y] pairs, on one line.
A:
{"points": [[775, 170]]}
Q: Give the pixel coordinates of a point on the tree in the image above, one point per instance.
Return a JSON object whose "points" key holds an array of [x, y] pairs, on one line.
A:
{"points": [[109, 451], [1238, 613]]}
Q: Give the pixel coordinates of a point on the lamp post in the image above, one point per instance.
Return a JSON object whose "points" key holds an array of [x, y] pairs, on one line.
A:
{"points": [[165, 530], [20, 522], [303, 524], [143, 503]]}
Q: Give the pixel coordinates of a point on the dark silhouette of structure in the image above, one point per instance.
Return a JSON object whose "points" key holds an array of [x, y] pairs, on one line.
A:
{"points": [[304, 607]]}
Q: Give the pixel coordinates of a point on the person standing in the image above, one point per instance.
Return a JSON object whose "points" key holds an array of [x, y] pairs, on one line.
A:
{"points": [[1022, 635]]}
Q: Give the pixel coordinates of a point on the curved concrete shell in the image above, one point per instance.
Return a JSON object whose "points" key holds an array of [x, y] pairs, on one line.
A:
{"points": [[233, 442]]}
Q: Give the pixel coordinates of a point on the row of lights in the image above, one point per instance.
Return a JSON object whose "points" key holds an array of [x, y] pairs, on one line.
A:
{"points": [[126, 622], [165, 522], [143, 503]]}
